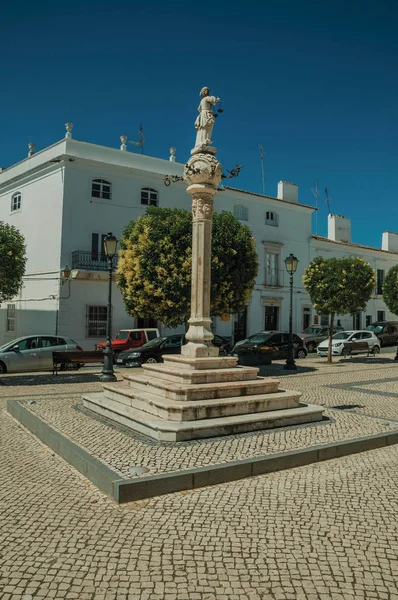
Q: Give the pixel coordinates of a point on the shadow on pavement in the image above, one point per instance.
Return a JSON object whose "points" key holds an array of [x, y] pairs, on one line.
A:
{"points": [[48, 379], [369, 360], [280, 371]]}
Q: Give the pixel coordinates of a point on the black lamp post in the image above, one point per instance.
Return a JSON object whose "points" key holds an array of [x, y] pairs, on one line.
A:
{"points": [[110, 243], [291, 263]]}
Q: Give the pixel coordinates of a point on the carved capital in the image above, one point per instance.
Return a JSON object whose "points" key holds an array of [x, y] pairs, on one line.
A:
{"points": [[202, 207]]}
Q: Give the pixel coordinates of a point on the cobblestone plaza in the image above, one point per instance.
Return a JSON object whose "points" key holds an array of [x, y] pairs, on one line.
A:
{"points": [[327, 530]]}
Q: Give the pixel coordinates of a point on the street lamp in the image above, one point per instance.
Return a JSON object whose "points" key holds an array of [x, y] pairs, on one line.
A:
{"points": [[110, 243], [291, 263]]}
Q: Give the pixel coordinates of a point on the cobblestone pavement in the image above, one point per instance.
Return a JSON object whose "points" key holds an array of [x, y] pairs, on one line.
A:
{"points": [[324, 531], [369, 386]]}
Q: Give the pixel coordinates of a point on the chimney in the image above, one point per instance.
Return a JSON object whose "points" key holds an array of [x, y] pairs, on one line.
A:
{"points": [[288, 191], [68, 127], [389, 241], [123, 139], [172, 154], [31, 147], [339, 229]]}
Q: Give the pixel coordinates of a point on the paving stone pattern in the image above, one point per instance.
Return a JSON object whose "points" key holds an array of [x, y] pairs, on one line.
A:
{"points": [[325, 531], [347, 383]]}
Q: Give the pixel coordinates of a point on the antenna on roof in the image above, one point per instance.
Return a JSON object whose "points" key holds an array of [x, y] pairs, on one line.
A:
{"points": [[314, 190], [328, 200], [262, 154], [140, 144]]}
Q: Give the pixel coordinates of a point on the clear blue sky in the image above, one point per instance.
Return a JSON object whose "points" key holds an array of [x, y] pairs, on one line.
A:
{"points": [[314, 82]]}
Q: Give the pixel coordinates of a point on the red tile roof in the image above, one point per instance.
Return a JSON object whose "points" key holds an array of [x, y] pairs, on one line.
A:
{"points": [[227, 187], [325, 239]]}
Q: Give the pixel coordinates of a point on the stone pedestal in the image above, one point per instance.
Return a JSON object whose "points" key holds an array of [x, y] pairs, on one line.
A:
{"points": [[200, 394]]}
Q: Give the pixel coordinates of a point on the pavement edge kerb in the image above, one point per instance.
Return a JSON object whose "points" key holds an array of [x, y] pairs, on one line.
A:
{"points": [[128, 490]]}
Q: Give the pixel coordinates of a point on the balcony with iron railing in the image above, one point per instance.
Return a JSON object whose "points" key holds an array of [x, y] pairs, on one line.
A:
{"points": [[274, 278], [89, 261]]}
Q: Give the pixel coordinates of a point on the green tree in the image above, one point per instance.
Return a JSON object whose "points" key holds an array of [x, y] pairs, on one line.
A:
{"points": [[12, 261], [154, 270], [390, 290], [339, 286]]}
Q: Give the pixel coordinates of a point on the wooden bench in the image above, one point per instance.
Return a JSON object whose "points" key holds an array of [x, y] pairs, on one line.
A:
{"points": [[354, 347], [75, 360]]}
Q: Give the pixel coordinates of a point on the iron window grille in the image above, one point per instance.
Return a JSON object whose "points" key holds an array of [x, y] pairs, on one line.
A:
{"points": [[241, 212], [10, 317], [96, 321]]}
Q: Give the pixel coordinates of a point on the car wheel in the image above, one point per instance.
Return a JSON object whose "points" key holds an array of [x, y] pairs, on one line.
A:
{"points": [[301, 353], [311, 347], [151, 360], [376, 349], [3, 368]]}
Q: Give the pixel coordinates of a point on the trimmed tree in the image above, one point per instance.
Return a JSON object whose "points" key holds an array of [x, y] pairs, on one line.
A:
{"points": [[390, 290], [154, 270], [12, 261], [339, 286]]}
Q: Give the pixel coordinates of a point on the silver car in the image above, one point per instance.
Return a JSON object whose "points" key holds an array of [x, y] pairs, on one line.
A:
{"points": [[33, 352]]}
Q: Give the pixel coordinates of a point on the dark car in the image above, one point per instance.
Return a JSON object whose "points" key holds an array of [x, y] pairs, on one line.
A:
{"points": [[386, 331], [277, 342], [153, 351]]}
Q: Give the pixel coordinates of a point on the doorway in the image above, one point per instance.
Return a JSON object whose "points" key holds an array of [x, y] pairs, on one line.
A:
{"points": [[271, 318], [240, 326], [305, 318], [146, 323], [356, 321]]}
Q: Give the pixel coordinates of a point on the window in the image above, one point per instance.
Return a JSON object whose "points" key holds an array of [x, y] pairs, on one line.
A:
{"points": [[241, 212], [368, 320], [306, 318], [271, 218], [96, 321], [149, 197], [271, 268], [10, 317], [176, 340], [379, 281], [381, 315], [47, 342], [101, 189], [16, 200], [97, 246]]}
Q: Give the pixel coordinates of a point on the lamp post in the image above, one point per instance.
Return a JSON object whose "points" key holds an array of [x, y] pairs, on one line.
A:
{"points": [[291, 263], [110, 243]]}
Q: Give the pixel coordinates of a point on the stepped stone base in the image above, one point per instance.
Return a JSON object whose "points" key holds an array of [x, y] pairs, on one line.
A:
{"points": [[188, 398]]}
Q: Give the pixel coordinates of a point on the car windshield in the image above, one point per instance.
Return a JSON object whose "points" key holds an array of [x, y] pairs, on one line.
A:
{"points": [[312, 330], [153, 342], [122, 335], [342, 335], [374, 328], [259, 338]]}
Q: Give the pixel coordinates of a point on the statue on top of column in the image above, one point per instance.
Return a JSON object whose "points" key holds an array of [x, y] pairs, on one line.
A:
{"points": [[205, 120]]}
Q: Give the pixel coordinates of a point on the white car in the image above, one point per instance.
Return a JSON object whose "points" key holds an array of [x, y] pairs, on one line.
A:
{"points": [[339, 339]]}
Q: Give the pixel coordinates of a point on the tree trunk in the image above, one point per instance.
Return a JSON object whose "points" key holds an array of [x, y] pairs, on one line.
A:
{"points": [[331, 326]]}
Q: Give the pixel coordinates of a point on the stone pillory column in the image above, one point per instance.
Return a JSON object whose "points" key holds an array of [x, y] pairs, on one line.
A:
{"points": [[203, 173]]}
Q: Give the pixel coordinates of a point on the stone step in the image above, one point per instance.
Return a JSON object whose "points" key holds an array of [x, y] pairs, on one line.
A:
{"points": [[192, 376], [173, 431], [206, 362], [204, 391], [175, 410]]}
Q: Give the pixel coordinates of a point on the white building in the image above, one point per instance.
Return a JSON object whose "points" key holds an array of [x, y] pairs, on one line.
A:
{"points": [[65, 198]]}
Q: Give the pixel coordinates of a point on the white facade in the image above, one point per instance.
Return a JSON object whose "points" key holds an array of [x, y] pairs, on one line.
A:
{"points": [[49, 198]]}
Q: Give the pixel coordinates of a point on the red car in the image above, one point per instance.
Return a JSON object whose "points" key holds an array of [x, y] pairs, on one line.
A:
{"points": [[129, 338]]}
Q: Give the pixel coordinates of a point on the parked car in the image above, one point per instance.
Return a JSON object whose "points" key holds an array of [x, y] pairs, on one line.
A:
{"points": [[130, 338], [315, 334], [153, 351], [274, 344], [386, 331], [33, 352], [339, 339]]}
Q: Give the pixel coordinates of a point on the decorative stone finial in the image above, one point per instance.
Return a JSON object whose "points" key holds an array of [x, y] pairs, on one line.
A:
{"points": [[69, 127], [123, 139], [172, 154], [205, 122], [31, 147]]}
